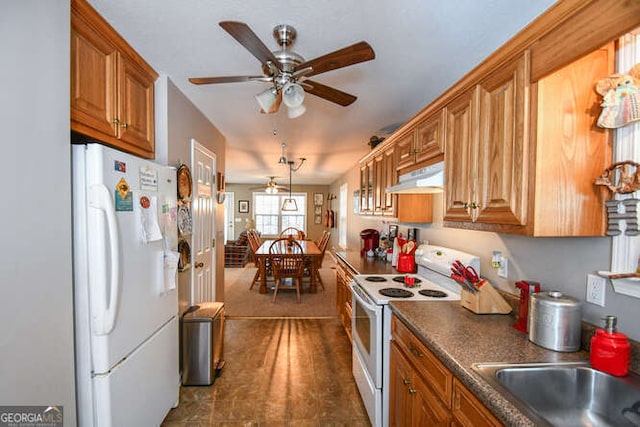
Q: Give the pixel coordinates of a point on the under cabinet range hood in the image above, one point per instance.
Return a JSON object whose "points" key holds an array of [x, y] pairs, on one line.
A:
{"points": [[429, 179]]}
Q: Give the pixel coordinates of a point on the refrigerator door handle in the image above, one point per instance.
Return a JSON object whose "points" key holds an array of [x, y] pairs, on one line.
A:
{"points": [[99, 198]]}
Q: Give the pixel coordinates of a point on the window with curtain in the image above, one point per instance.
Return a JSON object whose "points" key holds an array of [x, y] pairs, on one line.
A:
{"points": [[271, 220]]}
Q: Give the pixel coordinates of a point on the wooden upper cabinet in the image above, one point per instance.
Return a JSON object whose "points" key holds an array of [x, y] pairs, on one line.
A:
{"points": [[405, 149], [501, 190], [93, 78], [136, 113], [429, 141], [377, 172], [528, 164], [460, 158], [390, 178], [571, 151], [422, 142], [111, 85], [486, 149]]}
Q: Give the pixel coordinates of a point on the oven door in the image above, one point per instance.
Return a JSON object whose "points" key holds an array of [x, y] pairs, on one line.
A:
{"points": [[366, 328]]}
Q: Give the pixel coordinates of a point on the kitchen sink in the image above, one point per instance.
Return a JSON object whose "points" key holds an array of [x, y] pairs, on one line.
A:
{"points": [[566, 394]]}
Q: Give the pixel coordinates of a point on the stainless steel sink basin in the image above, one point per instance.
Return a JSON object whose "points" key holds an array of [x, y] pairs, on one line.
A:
{"points": [[567, 394]]}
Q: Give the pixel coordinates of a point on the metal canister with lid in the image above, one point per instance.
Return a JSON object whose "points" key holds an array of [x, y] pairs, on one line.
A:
{"points": [[555, 321]]}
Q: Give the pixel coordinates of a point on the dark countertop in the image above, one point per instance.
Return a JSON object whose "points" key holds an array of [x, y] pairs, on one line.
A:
{"points": [[460, 338], [366, 265]]}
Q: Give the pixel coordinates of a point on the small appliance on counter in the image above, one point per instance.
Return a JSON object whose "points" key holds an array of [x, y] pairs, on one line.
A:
{"points": [[370, 239], [610, 350], [555, 321], [526, 289]]}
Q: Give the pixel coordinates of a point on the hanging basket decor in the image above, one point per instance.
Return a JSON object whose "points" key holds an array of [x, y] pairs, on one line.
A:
{"points": [[621, 178]]}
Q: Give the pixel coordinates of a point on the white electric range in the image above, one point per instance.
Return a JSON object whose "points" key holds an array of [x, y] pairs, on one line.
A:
{"points": [[371, 317]]}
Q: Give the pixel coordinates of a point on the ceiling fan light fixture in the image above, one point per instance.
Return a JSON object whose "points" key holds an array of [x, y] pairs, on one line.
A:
{"points": [[293, 112], [267, 99], [292, 95]]}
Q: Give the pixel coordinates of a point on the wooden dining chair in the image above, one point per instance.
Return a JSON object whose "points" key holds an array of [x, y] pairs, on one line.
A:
{"points": [[287, 263], [322, 245], [254, 243], [293, 231]]}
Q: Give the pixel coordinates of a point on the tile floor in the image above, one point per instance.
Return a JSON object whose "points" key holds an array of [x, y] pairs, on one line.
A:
{"points": [[278, 372]]}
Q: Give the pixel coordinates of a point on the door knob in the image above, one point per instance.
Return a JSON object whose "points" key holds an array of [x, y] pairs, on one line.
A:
{"points": [[199, 264]]}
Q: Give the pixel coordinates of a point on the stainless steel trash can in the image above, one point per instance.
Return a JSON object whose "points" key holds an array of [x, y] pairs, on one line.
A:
{"points": [[202, 343]]}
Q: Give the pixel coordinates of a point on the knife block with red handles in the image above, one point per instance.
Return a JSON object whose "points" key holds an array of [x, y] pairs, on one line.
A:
{"points": [[486, 300]]}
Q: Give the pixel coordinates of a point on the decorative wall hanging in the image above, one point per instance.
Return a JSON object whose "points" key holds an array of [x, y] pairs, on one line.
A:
{"points": [[184, 183], [622, 178], [621, 98], [243, 206]]}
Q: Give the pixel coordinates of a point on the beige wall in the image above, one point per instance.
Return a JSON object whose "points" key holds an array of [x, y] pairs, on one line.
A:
{"points": [[179, 121], [243, 192], [36, 275]]}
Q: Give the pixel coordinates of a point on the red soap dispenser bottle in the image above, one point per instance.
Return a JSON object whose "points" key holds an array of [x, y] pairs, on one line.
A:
{"points": [[610, 350]]}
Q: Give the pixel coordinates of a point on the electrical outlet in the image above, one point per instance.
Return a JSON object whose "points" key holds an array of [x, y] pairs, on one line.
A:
{"points": [[503, 271], [595, 289]]}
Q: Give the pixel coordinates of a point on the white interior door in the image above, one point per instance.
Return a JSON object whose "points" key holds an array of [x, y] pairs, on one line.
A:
{"points": [[203, 165], [229, 216]]}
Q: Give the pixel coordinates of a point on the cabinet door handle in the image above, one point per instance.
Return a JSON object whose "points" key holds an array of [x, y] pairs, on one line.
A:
{"points": [[124, 125], [199, 264], [115, 121], [415, 351], [412, 390], [406, 381]]}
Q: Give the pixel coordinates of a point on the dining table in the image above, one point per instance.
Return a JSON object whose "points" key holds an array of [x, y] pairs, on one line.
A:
{"points": [[309, 250]]}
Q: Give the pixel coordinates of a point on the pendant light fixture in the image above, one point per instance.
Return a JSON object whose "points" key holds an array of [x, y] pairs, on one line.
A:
{"points": [[290, 204], [283, 159]]}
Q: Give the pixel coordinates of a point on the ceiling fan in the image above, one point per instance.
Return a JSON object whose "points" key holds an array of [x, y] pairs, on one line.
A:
{"points": [[271, 187], [287, 71]]}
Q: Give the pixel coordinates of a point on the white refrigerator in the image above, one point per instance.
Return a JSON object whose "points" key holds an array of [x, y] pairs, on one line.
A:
{"points": [[125, 296]]}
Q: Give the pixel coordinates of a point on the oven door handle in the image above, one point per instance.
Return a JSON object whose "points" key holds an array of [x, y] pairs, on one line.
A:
{"points": [[359, 293]]}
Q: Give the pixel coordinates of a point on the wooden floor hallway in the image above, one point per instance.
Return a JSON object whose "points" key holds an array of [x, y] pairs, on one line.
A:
{"points": [[278, 372]]}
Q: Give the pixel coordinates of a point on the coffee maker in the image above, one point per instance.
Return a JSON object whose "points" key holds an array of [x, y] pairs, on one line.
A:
{"points": [[370, 239]]}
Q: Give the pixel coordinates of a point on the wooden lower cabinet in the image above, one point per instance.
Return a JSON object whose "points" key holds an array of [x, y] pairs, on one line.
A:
{"points": [[344, 275], [424, 392], [412, 402]]}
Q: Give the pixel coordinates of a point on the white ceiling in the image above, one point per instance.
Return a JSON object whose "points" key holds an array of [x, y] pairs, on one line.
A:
{"points": [[422, 47]]}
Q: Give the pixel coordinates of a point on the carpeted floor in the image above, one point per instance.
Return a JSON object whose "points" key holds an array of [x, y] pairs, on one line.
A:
{"points": [[241, 302]]}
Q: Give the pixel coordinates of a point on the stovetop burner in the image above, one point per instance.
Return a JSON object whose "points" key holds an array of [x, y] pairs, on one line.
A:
{"points": [[433, 293], [400, 279], [375, 279], [396, 293]]}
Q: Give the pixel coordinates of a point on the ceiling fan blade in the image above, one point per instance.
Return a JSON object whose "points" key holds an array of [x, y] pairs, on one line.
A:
{"points": [[330, 94], [226, 79], [356, 53], [247, 38]]}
